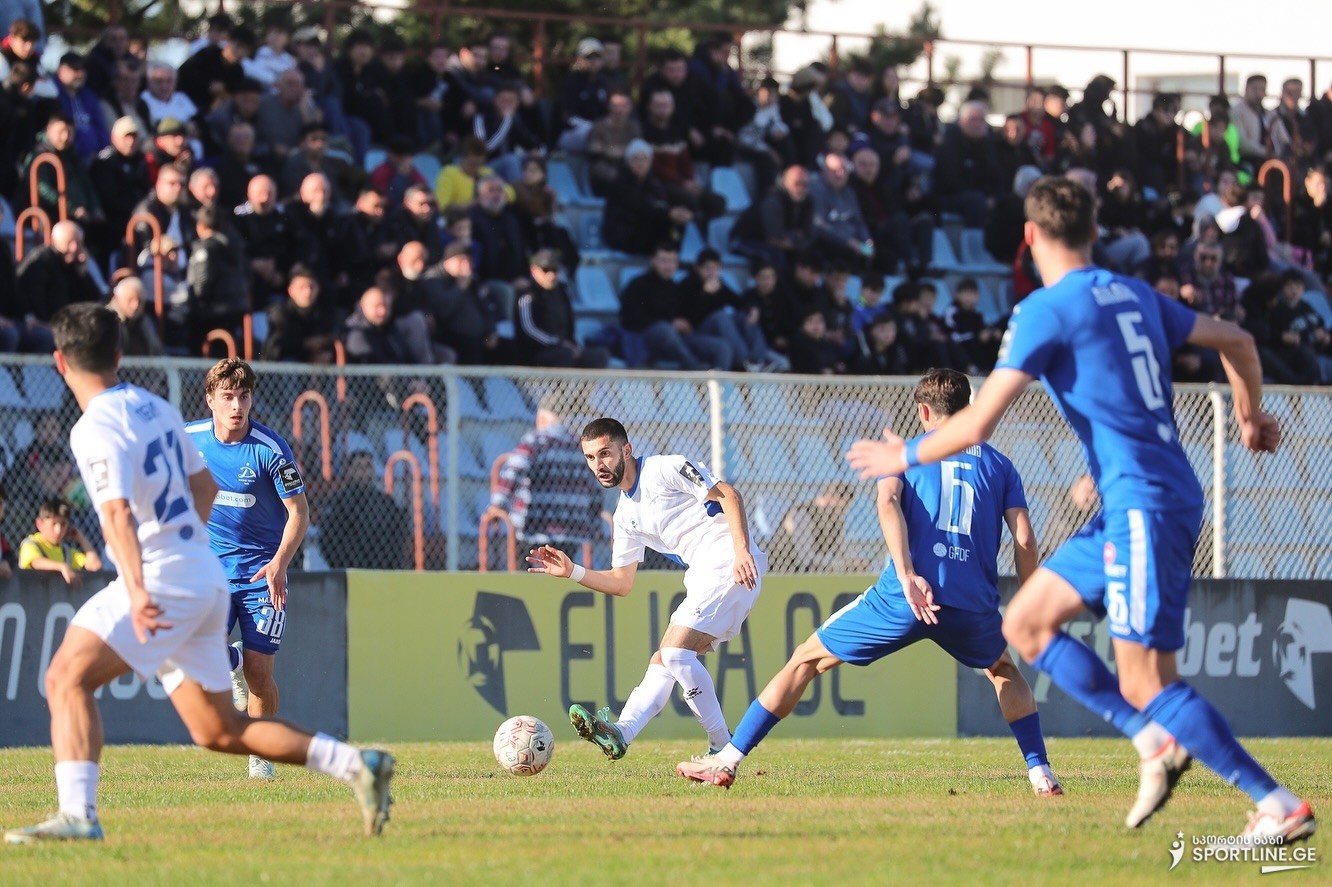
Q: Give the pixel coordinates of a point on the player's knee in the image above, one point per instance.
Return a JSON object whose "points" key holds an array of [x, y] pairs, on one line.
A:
{"points": [[221, 735], [1023, 633], [63, 676]]}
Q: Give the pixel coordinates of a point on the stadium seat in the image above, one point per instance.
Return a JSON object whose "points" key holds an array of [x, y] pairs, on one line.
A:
{"points": [[357, 442], [862, 519], [638, 402], [737, 468], [769, 458], [374, 157], [1246, 565], [491, 444], [593, 291], [728, 183], [818, 463], [504, 400], [692, 244], [975, 258], [680, 402], [42, 386], [469, 403], [1245, 521], [944, 256], [259, 324], [469, 465], [1318, 301], [719, 234], [1069, 463], [21, 434], [1028, 457], [853, 284], [429, 167], [396, 440], [1291, 565], [628, 273], [944, 291], [7, 220], [586, 328], [560, 177], [990, 304], [10, 396]]}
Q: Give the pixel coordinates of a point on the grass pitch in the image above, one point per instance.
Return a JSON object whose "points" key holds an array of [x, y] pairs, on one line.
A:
{"points": [[803, 812]]}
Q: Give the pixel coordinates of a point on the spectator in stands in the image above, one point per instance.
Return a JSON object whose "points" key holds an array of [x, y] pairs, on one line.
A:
{"points": [[506, 136], [301, 328], [217, 278], [363, 248], [651, 305], [122, 99], [311, 157], [923, 125], [583, 96], [672, 163], [805, 115], [1258, 128], [470, 88], [640, 210], [80, 196], [711, 306], [364, 97], [1040, 129], [11, 315], [975, 339], [398, 172], [170, 276], [721, 102], [812, 351], [215, 32], [781, 224], [369, 334], [398, 85], [968, 177], [162, 100], [1014, 147], [240, 106], [765, 141], [170, 148], [427, 86], [1311, 226], [812, 535], [212, 74], [498, 231], [607, 141], [462, 313], [1188, 363], [534, 201], [851, 98], [1285, 359], [803, 292], [138, 328], [1156, 136], [1241, 237], [544, 487], [869, 302], [82, 106], [263, 227], [323, 83], [500, 66], [119, 175], [104, 58], [8, 557], [883, 354], [272, 60], [544, 321], [49, 278], [915, 329], [839, 229], [167, 206], [237, 165], [57, 545], [1302, 329], [315, 229], [1122, 217], [284, 114], [840, 311], [457, 181], [762, 302], [361, 526], [417, 220], [900, 240]]}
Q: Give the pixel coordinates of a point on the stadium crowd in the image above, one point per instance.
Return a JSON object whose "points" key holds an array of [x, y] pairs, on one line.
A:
{"points": [[285, 177]]}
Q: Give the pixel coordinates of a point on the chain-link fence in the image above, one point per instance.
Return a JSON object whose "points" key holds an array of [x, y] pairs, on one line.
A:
{"points": [[400, 465]]}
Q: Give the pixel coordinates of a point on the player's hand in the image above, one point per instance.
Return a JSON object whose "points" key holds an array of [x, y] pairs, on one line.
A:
{"points": [[276, 577], [920, 598], [550, 560], [146, 616], [746, 573], [878, 458], [1261, 434]]}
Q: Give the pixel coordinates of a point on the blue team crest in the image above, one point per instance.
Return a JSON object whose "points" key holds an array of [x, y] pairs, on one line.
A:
{"points": [[247, 475]]}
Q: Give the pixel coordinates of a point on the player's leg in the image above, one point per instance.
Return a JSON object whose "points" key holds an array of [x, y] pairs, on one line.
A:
{"points": [[1018, 706], [680, 647], [646, 701], [261, 628]]}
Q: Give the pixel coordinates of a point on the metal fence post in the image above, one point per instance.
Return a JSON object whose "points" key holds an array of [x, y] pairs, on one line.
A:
{"points": [[174, 387], [1218, 482], [715, 424], [452, 421]]}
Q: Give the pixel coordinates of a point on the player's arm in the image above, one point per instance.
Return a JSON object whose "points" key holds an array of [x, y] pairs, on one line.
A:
{"points": [[616, 582], [733, 508], [293, 534], [1239, 358], [966, 428], [892, 523], [203, 490], [1026, 550], [121, 532]]}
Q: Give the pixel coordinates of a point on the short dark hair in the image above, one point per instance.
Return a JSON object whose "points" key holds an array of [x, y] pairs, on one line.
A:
{"points": [[53, 507], [967, 283], [606, 427], [242, 36], [906, 293], [207, 217], [666, 246], [1063, 210], [946, 392], [87, 335], [872, 280], [707, 254]]}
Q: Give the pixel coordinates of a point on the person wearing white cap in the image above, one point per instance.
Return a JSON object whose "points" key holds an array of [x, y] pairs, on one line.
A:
{"points": [[583, 94], [119, 174]]}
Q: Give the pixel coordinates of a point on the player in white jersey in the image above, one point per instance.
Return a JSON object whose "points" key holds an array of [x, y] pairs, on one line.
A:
{"points": [[166, 612], [673, 505]]}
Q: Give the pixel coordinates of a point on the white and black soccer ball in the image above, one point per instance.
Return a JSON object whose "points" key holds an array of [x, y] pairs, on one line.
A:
{"points": [[524, 745]]}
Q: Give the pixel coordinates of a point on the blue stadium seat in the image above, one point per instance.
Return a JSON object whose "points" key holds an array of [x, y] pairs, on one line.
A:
{"points": [[990, 304], [587, 327], [561, 178], [396, 440], [944, 256], [945, 293], [429, 167], [737, 468], [853, 287], [1069, 463], [769, 458], [728, 183], [1246, 565], [1291, 565], [719, 234], [491, 444], [816, 459], [1245, 520], [628, 273], [1320, 304], [975, 258], [259, 323], [504, 400], [7, 219], [469, 404], [593, 291], [680, 402], [357, 442], [21, 434], [469, 465], [374, 157], [1029, 458], [10, 396], [862, 519], [692, 244], [42, 386]]}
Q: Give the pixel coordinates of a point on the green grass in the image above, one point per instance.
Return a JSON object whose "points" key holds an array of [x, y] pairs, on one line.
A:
{"points": [[803, 812]]}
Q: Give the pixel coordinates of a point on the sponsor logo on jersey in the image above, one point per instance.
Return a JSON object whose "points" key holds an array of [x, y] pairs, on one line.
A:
{"points": [[235, 500], [692, 474], [290, 477], [247, 475], [101, 474]]}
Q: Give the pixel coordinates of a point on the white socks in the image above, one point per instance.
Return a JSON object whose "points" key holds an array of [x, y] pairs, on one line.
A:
{"points": [[646, 702], [1149, 739], [336, 758], [76, 788], [699, 692], [730, 755], [1279, 802]]}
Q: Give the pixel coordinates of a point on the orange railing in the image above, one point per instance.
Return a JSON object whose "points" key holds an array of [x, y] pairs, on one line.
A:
{"points": [[340, 359], [41, 222], [53, 161], [424, 400], [418, 513], [132, 260], [222, 336], [325, 427], [247, 336], [1264, 171]]}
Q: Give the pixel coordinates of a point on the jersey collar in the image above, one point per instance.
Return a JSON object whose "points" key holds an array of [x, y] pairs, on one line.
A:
{"points": [[119, 386], [638, 478]]}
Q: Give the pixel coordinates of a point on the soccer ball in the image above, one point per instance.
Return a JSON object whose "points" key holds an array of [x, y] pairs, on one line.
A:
{"points": [[524, 745]]}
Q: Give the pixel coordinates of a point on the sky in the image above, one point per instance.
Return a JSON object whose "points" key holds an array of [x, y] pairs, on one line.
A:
{"points": [[1288, 27]]}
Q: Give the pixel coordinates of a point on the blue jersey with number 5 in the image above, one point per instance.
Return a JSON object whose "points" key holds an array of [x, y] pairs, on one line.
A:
{"points": [[253, 476], [954, 513], [1102, 344]]}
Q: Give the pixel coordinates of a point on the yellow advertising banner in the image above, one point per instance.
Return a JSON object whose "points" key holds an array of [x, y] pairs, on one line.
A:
{"points": [[449, 656]]}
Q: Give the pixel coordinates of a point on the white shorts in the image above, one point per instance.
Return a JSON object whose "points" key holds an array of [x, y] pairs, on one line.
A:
{"points": [[194, 648], [714, 603]]}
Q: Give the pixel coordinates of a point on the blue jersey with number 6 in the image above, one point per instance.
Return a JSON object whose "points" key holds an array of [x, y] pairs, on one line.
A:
{"points": [[1102, 345], [253, 476], [954, 513]]}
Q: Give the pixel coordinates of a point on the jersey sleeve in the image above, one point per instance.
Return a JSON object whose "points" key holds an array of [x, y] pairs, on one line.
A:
{"points": [[193, 450], [626, 548], [687, 476], [282, 470], [1177, 320], [1032, 337], [1014, 495], [104, 464]]}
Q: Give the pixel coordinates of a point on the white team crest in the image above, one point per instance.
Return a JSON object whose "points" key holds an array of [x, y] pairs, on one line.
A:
{"points": [[247, 475]]}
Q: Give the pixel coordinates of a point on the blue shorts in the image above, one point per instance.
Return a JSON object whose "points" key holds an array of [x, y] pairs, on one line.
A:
{"points": [[872, 627], [261, 625], [1134, 567]]}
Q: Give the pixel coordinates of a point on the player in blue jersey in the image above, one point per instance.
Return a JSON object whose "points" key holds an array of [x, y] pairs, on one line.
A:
{"points": [[1101, 343], [258, 523], [943, 525]]}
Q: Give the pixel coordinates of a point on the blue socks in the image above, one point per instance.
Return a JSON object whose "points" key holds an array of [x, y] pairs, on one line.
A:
{"points": [[1204, 731], [234, 657], [1027, 732], [753, 727], [1078, 671]]}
